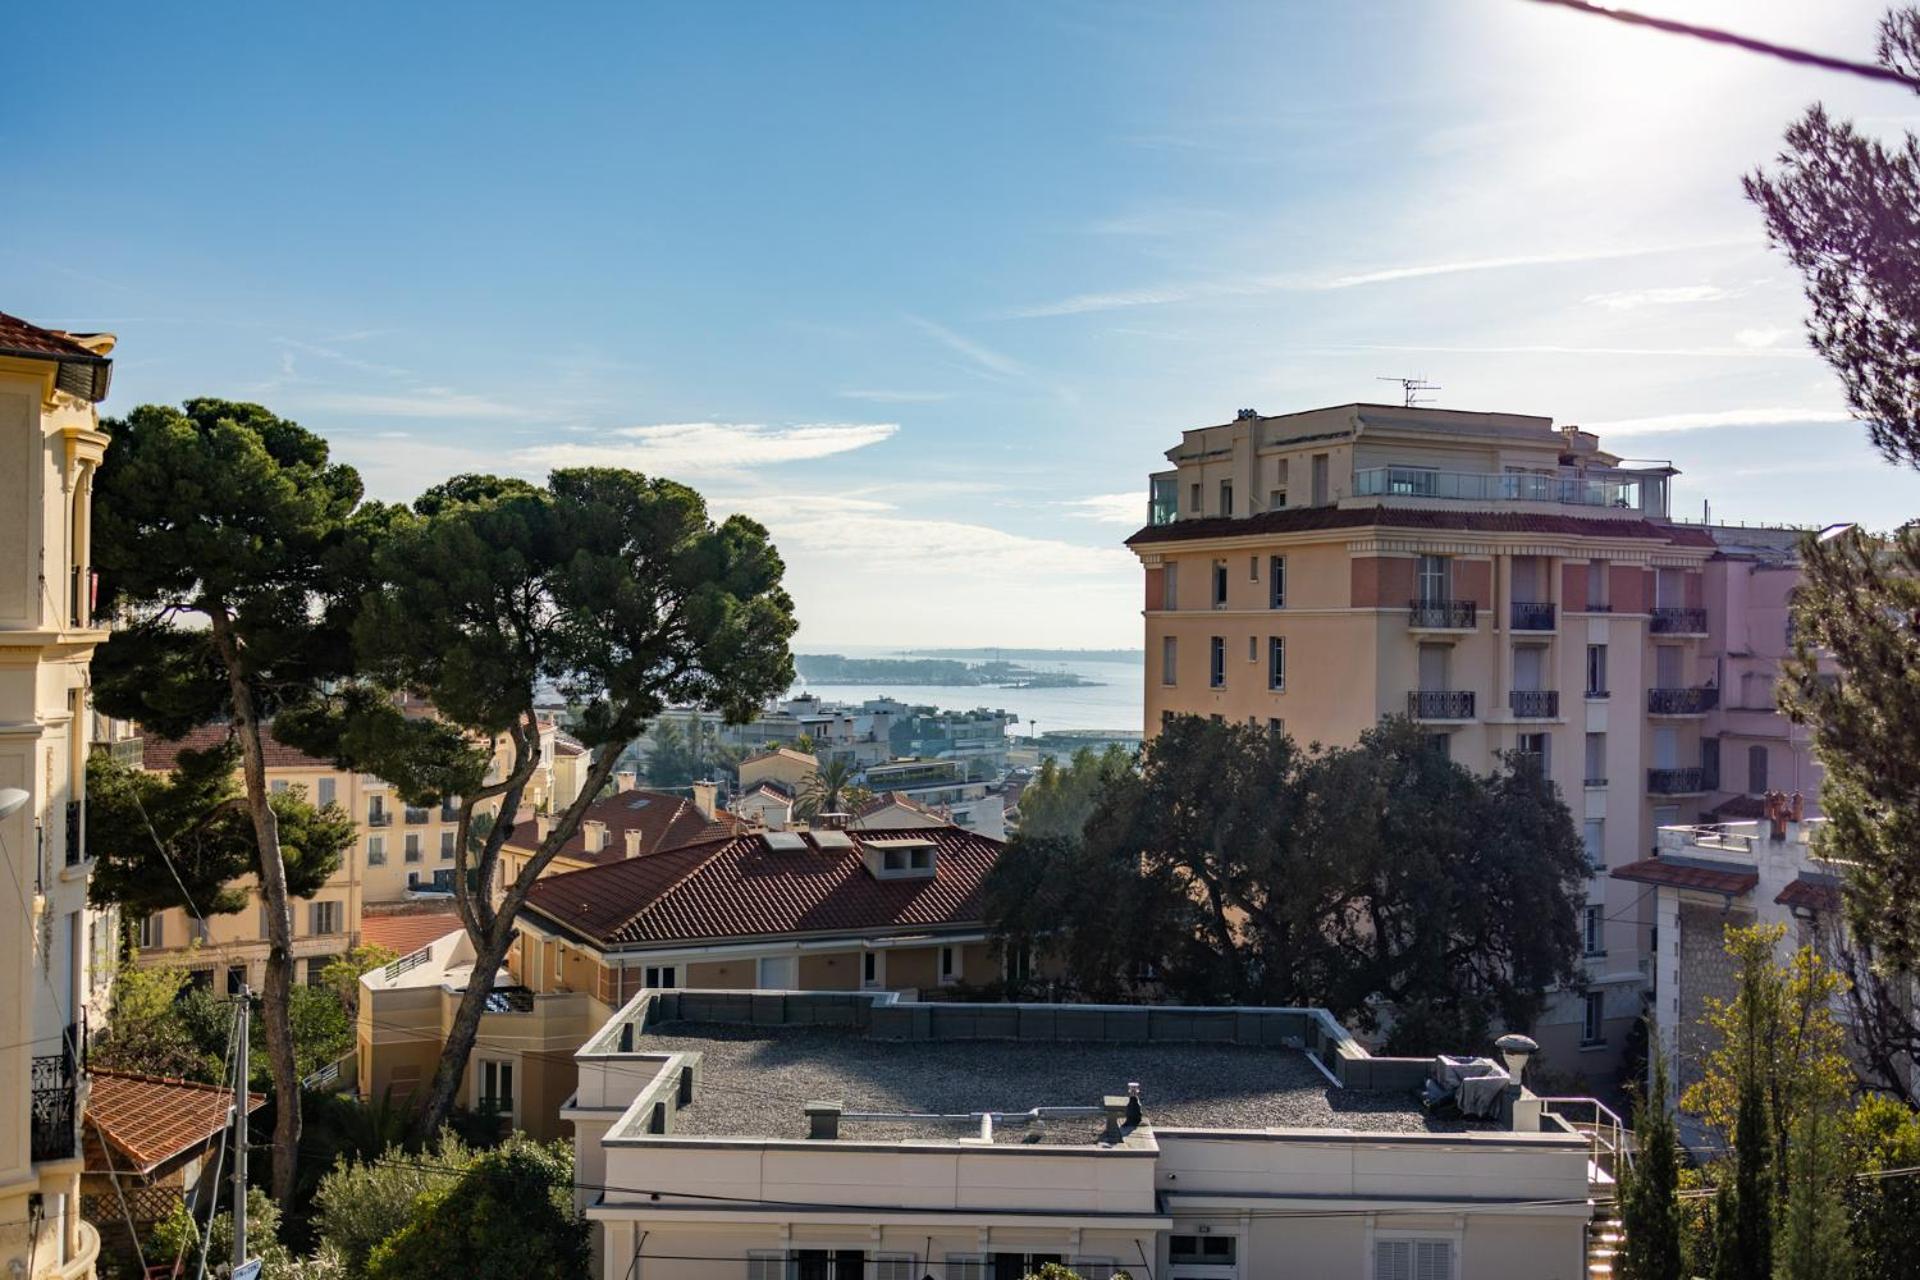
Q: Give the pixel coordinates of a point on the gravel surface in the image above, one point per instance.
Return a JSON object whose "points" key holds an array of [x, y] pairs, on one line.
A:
{"points": [[756, 1079]]}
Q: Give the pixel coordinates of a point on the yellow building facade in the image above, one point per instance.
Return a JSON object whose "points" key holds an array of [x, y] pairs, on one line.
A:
{"points": [[1505, 584], [55, 952]]}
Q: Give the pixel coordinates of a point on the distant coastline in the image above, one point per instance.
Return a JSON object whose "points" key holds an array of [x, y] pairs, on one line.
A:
{"points": [[1035, 655], [834, 668]]}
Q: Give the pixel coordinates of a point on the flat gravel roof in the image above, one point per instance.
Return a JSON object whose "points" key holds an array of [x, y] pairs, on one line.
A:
{"points": [[755, 1081]]}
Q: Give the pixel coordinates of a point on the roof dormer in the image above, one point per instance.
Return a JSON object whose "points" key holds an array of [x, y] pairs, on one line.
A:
{"points": [[900, 857]]}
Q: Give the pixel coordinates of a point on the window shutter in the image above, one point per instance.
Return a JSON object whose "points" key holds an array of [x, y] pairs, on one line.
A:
{"points": [[1432, 1260], [893, 1266], [762, 1265], [966, 1266], [1393, 1260]]}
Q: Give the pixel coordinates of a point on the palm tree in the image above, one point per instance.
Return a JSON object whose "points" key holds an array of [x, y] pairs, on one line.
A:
{"points": [[823, 790]]}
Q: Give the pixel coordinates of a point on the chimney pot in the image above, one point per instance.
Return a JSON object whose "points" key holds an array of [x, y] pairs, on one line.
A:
{"points": [[596, 835], [543, 826], [625, 780], [633, 843], [705, 796], [823, 1119]]}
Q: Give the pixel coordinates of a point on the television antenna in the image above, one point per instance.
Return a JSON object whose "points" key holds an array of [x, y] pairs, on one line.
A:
{"points": [[1410, 389]]}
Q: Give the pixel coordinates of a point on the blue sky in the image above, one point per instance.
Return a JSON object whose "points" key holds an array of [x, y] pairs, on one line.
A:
{"points": [[929, 288]]}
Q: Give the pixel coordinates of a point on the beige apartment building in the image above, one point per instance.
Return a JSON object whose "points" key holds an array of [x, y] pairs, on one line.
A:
{"points": [[822, 1136], [1509, 585], [401, 859], [815, 911], [56, 953]]}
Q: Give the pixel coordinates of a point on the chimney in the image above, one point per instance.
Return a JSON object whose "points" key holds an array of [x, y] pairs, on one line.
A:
{"points": [[1116, 1109], [823, 1119], [625, 780], [1796, 808], [633, 842], [542, 826], [705, 794], [596, 835]]}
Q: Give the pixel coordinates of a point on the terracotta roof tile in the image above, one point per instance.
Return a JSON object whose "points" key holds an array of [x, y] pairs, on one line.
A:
{"points": [[19, 338], [1686, 875], [161, 755], [405, 933], [147, 1120], [664, 822], [1810, 893], [788, 752], [1307, 519], [742, 888]]}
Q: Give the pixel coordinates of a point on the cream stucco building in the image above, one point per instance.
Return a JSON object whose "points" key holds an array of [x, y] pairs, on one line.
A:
{"points": [[55, 952], [1507, 584]]}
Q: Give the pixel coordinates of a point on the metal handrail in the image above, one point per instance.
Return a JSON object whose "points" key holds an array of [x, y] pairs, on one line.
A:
{"points": [[1534, 704], [1684, 701], [1671, 620], [1609, 1148], [1532, 615], [1458, 615], [1440, 704]]}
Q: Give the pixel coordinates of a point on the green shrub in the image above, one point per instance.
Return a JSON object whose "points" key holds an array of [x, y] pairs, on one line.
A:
{"points": [[510, 1216], [360, 1205]]}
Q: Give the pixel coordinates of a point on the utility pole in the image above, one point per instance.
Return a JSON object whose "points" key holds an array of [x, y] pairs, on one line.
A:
{"points": [[241, 1074]]}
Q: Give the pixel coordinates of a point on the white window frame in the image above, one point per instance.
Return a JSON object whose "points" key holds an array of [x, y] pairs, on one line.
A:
{"points": [[760, 972], [1593, 839], [1277, 664], [1277, 582], [1593, 1011], [1217, 662], [1437, 571], [661, 977], [1593, 930], [1217, 586], [873, 970], [376, 851], [481, 1093], [952, 962], [446, 844]]}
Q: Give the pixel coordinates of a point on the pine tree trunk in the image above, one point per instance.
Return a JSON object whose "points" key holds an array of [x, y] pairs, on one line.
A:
{"points": [[466, 1025], [276, 997]]}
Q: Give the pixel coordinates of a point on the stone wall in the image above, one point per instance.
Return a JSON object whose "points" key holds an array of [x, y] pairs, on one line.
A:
{"points": [[1706, 972]]}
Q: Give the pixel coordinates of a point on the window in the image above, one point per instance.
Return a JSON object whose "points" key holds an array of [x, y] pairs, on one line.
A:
{"points": [[766, 1264], [1320, 486], [1597, 586], [1413, 1259], [1596, 773], [1442, 744], [1253, 568], [1593, 1018], [1253, 648], [1169, 659], [661, 977], [152, 932], [870, 969], [1534, 747], [376, 851], [323, 917], [278, 786], [324, 791], [1591, 931], [1194, 498], [1219, 584], [1756, 769], [446, 846], [949, 964], [1016, 1266], [1277, 663], [1166, 717], [1433, 667], [317, 970], [559, 961], [1212, 1250], [1277, 582], [413, 846], [496, 1086], [1217, 663], [1596, 671], [1277, 500], [1170, 586], [1434, 577], [1226, 497], [376, 811], [1276, 726]]}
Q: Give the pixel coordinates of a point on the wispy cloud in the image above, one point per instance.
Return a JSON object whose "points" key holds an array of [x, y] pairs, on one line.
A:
{"points": [[1763, 417], [880, 396], [1108, 508], [984, 359], [1678, 295], [426, 402], [712, 448], [1550, 349], [334, 354], [1189, 291], [1758, 338]]}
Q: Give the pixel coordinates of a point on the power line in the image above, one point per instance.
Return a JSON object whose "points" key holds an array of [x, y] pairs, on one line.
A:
{"points": [[1719, 35]]}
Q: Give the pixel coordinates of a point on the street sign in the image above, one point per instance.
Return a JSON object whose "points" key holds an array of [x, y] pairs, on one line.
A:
{"points": [[248, 1270]]}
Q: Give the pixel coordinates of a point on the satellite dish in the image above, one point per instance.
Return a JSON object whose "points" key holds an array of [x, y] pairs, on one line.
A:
{"points": [[12, 800]]}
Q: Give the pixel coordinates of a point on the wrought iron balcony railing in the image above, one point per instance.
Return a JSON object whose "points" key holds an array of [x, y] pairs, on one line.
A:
{"points": [[1440, 704], [56, 1080], [1678, 622], [1534, 704], [1452, 615], [1678, 782], [380, 818], [1681, 702], [1531, 615]]}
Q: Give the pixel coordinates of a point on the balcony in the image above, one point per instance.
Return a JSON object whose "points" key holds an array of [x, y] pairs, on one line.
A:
{"points": [[1531, 615], [1681, 702], [1679, 782], [417, 817], [1495, 486], [1534, 704], [379, 818], [1678, 622], [1443, 615], [55, 1086], [1440, 704]]}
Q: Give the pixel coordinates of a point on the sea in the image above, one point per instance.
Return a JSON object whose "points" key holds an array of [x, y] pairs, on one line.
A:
{"points": [[1114, 702]]}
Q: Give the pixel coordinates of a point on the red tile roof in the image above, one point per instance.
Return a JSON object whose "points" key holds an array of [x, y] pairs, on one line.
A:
{"points": [[147, 1120], [1307, 519], [742, 888], [82, 371], [664, 822], [799, 756], [405, 933], [160, 755], [1686, 875], [1810, 893]]}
